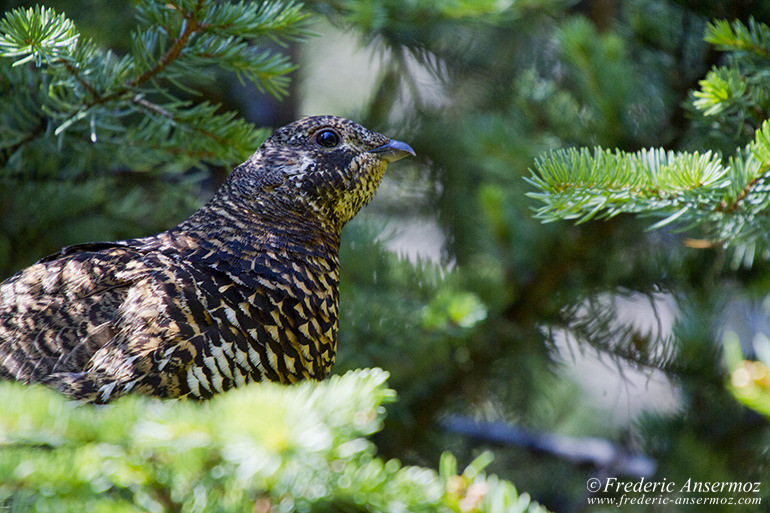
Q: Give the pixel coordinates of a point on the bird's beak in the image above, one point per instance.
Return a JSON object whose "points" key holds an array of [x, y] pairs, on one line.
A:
{"points": [[393, 151]]}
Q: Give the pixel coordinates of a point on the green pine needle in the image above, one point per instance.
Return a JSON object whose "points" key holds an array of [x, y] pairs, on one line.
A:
{"points": [[86, 93], [727, 199], [303, 445], [683, 189], [37, 34]]}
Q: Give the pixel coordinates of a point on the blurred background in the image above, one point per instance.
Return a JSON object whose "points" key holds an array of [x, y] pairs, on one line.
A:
{"points": [[569, 351]]}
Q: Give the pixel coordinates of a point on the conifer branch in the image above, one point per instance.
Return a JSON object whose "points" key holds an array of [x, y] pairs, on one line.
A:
{"points": [[93, 92], [736, 36], [688, 189], [730, 208], [727, 199], [311, 448], [190, 26], [77, 76], [36, 131]]}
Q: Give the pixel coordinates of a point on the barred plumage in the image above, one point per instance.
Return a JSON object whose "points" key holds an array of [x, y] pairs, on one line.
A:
{"points": [[245, 289]]}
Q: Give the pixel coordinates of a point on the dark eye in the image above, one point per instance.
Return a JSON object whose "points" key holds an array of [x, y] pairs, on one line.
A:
{"points": [[327, 138]]}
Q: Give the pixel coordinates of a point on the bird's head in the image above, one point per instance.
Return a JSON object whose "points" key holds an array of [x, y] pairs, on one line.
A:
{"points": [[327, 163]]}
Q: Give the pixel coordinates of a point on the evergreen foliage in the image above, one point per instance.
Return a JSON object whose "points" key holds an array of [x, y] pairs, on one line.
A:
{"points": [[263, 448], [528, 80], [490, 330], [726, 199], [114, 131], [91, 94]]}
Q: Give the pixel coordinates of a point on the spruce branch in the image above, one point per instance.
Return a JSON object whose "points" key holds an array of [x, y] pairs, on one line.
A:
{"points": [[35, 34], [581, 184], [189, 27], [730, 201], [735, 36], [595, 323], [734, 98], [312, 446], [83, 92]]}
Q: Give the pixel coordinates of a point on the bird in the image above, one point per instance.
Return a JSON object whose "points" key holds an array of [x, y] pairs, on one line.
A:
{"points": [[244, 290]]}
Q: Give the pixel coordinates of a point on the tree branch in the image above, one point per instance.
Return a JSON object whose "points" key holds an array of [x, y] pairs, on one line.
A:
{"points": [[189, 27], [598, 452], [8, 152], [726, 208]]}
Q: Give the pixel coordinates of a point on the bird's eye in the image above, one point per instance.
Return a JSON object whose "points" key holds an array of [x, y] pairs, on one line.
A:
{"points": [[327, 138]]}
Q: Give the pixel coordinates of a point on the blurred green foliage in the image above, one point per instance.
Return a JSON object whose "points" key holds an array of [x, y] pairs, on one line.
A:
{"points": [[265, 448], [481, 331], [726, 199], [538, 77], [750, 379]]}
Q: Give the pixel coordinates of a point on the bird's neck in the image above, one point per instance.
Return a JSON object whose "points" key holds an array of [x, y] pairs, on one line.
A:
{"points": [[243, 231]]}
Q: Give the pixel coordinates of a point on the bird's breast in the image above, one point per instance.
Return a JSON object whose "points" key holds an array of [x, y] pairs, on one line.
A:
{"points": [[275, 321]]}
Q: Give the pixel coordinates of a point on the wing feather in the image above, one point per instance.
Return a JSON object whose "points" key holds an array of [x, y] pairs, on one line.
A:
{"points": [[93, 319]]}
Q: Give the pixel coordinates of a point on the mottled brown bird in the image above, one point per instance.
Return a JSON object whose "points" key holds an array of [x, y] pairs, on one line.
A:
{"points": [[246, 289]]}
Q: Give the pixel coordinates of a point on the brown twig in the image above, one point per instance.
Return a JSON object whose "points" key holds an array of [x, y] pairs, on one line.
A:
{"points": [[76, 74], [8, 152], [729, 208], [191, 25]]}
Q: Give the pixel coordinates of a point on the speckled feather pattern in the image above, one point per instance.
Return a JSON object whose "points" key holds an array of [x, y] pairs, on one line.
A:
{"points": [[244, 290]]}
